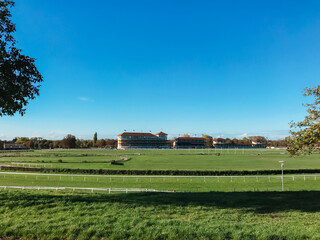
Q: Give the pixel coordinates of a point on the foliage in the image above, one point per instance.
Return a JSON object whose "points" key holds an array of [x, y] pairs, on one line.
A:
{"points": [[22, 140], [208, 140], [68, 142], [159, 172], [82, 143], [19, 77], [306, 134], [278, 143], [40, 143], [111, 143], [101, 143], [95, 139]]}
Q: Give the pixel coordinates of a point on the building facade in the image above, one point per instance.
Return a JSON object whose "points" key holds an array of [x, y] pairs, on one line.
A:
{"points": [[189, 142], [5, 145], [218, 142], [134, 140], [257, 144], [234, 143]]}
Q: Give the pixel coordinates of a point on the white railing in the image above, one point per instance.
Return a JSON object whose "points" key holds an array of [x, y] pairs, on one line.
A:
{"points": [[32, 164], [109, 190]]}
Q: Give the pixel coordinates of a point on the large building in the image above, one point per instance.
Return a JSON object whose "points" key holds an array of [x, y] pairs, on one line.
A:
{"points": [[7, 145], [189, 142], [129, 140], [219, 143], [234, 143]]}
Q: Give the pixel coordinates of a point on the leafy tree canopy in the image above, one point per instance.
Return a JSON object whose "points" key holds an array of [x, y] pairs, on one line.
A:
{"points": [[305, 135], [19, 77], [68, 141]]}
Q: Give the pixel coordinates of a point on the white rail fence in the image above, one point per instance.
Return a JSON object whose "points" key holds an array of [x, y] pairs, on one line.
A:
{"points": [[109, 190], [44, 165]]}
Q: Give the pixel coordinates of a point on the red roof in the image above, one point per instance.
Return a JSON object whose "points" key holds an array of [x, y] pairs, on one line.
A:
{"points": [[136, 134], [161, 133], [191, 138]]}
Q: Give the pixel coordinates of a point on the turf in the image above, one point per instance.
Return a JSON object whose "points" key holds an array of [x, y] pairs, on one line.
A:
{"points": [[227, 159], [247, 207], [211, 215], [185, 184]]}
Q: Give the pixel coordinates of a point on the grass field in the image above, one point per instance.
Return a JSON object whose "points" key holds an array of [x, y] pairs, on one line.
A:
{"points": [[224, 207], [212, 215], [229, 159], [186, 184]]}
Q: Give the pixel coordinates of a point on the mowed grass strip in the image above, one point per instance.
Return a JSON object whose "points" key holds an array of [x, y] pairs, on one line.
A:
{"points": [[185, 184], [195, 159], [213, 215]]}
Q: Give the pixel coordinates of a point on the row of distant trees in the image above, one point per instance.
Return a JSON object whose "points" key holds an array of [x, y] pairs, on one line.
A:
{"points": [[71, 141], [68, 141]]}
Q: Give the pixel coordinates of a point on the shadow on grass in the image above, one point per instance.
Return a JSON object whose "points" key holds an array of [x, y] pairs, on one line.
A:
{"points": [[258, 202]]}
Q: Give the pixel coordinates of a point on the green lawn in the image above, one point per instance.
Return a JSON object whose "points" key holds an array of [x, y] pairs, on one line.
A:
{"points": [[211, 215], [247, 207], [248, 159], [185, 184]]}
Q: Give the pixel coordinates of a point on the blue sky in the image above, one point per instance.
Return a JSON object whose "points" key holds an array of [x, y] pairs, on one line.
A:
{"points": [[224, 68]]}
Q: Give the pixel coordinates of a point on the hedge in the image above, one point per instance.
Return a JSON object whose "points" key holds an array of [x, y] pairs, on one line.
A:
{"points": [[159, 172]]}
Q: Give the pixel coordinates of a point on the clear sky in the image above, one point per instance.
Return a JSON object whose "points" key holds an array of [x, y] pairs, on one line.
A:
{"points": [[224, 68]]}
